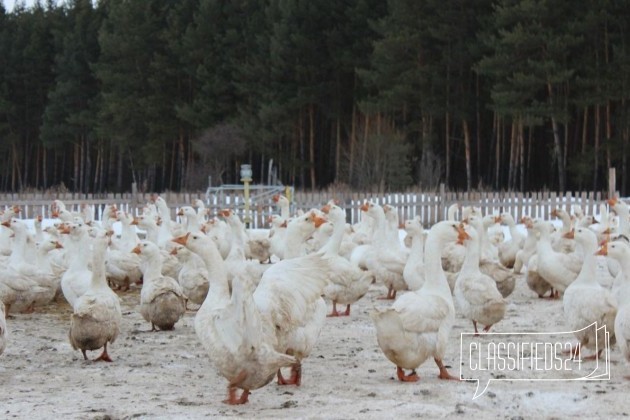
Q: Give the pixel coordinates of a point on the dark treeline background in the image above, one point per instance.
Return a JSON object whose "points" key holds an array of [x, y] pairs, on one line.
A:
{"points": [[503, 94]]}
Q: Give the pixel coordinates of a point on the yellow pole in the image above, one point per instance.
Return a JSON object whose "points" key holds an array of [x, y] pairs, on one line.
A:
{"points": [[247, 218]]}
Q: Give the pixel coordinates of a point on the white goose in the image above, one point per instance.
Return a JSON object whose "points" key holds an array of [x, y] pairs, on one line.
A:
{"points": [[240, 341], [620, 252], [23, 285], [386, 258], [162, 301], [3, 329], [509, 249], [193, 275], [122, 266], [347, 283], [235, 261], [97, 317], [76, 279], [586, 301], [558, 241], [489, 263], [283, 203], [556, 268], [476, 293], [193, 219], [276, 235], [288, 298], [527, 256], [418, 324], [414, 268]]}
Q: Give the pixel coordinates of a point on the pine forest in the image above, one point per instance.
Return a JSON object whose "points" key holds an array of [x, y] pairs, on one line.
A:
{"points": [[516, 95]]}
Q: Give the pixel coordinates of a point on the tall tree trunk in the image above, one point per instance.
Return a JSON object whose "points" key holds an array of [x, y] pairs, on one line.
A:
{"points": [[338, 151], [624, 161], [608, 136], [585, 130], [302, 151], [97, 174], [478, 130], [119, 174], [447, 144], [466, 130], [182, 161], [75, 167], [366, 130], [596, 152], [497, 150], [45, 166], [529, 155], [171, 176], [353, 140], [511, 168], [557, 145], [521, 157], [311, 142], [38, 150]]}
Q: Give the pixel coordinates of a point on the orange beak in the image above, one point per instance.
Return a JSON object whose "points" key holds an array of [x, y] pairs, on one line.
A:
{"points": [[554, 212], [39, 218], [276, 198], [204, 229], [497, 219], [174, 251], [54, 214], [16, 209], [225, 213], [318, 221], [6, 223], [137, 250], [180, 212], [569, 235], [135, 221], [326, 208], [65, 230], [612, 201], [603, 250], [462, 235], [58, 245], [284, 224], [365, 207], [182, 240]]}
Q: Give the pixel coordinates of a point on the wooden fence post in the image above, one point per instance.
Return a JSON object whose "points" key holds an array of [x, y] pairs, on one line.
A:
{"points": [[612, 179]]}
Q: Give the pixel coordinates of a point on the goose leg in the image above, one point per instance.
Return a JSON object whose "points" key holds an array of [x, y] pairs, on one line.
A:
{"points": [[233, 386], [487, 328], [475, 325], [296, 376], [391, 294], [443, 372], [412, 377], [84, 355], [347, 312], [593, 356], [104, 356], [233, 400], [334, 310], [574, 351]]}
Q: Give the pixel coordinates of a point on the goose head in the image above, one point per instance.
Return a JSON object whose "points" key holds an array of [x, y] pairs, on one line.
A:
{"points": [[146, 250]]}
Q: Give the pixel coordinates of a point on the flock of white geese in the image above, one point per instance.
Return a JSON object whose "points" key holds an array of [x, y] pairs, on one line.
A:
{"points": [[257, 317]]}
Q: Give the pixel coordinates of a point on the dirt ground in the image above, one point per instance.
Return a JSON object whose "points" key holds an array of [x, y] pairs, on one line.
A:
{"points": [[167, 374]]}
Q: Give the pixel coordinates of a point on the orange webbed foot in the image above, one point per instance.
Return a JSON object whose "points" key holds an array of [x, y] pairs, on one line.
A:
{"points": [[412, 377]]}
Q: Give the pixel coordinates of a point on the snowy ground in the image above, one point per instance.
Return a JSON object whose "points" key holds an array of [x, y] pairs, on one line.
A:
{"points": [[167, 374]]}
